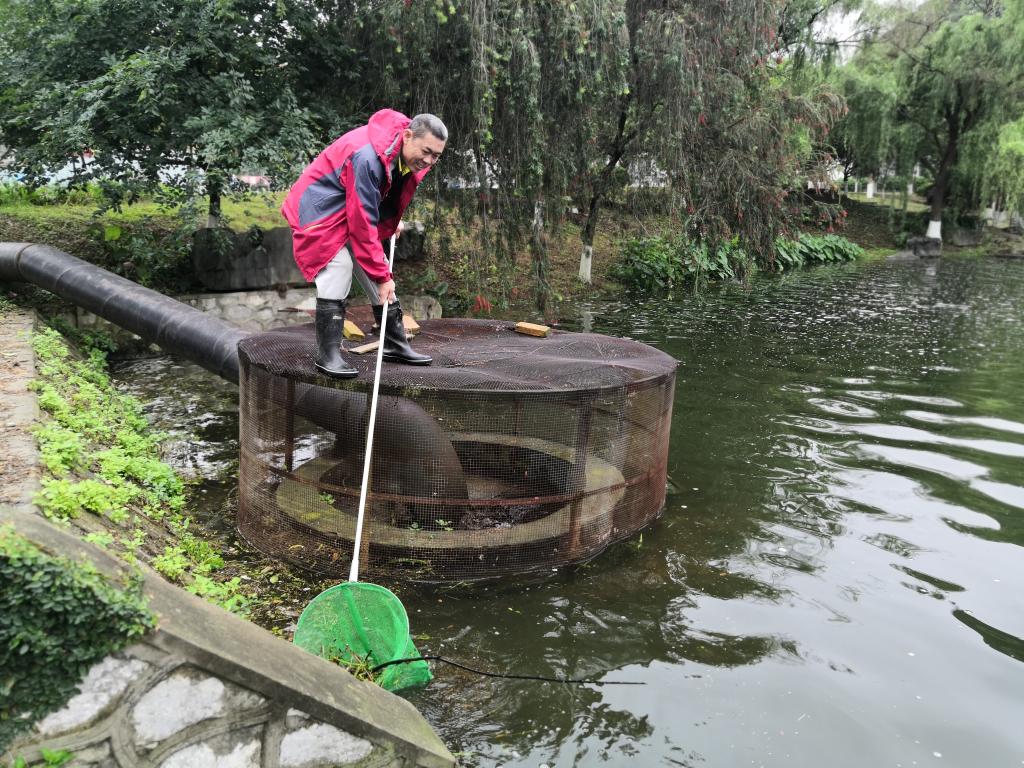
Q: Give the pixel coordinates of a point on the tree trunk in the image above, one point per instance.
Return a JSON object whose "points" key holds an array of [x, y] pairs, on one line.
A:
{"points": [[938, 204], [941, 184], [484, 196], [213, 218], [593, 211], [958, 120], [587, 237], [600, 188], [539, 251], [871, 187]]}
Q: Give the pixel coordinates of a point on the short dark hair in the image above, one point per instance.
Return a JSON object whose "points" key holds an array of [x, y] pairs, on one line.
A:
{"points": [[426, 122]]}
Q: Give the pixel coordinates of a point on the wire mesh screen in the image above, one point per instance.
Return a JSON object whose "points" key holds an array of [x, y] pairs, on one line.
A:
{"points": [[510, 454]]}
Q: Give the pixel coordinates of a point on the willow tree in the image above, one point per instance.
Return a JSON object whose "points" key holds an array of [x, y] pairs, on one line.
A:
{"points": [[521, 86], [548, 102], [958, 76], [863, 135], [869, 140], [703, 100], [1004, 177]]}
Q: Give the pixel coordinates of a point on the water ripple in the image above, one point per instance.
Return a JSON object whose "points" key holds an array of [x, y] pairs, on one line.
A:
{"points": [[997, 425], [842, 408], [1013, 495], [931, 461], [912, 435]]}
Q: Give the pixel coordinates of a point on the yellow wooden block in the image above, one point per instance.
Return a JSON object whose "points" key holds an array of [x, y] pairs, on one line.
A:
{"points": [[364, 348], [532, 329], [353, 331], [410, 324]]}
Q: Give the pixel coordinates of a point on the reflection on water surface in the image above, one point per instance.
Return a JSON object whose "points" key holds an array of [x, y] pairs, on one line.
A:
{"points": [[838, 579]]}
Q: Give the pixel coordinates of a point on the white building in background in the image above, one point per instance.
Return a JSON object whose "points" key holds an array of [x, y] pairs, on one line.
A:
{"points": [[645, 173]]}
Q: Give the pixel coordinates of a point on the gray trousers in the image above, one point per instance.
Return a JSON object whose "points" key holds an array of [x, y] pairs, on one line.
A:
{"points": [[334, 281]]}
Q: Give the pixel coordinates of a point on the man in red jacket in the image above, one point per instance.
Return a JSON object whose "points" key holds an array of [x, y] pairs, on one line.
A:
{"points": [[348, 200]]}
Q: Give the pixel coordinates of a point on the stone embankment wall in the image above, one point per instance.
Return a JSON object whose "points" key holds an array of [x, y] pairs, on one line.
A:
{"points": [[225, 260], [206, 689], [238, 267], [252, 310]]}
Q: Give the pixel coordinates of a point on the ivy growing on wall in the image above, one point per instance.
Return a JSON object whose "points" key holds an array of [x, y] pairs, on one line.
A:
{"points": [[58, 617]]}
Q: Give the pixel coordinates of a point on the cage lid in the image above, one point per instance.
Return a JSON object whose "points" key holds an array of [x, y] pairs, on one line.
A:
{"points": [[473, 355]]}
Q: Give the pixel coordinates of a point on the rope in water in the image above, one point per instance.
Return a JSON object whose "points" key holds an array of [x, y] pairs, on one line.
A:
{"points": [[502, 675]]}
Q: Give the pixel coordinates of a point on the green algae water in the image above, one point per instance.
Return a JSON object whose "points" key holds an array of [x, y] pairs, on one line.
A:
{"points": [[838, 577]]}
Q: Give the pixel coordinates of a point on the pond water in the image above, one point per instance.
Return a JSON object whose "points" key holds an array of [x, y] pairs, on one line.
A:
{"points": [[838, 578]]}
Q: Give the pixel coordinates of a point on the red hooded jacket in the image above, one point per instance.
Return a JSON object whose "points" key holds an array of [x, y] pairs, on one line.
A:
{"points": [[347, 195]]}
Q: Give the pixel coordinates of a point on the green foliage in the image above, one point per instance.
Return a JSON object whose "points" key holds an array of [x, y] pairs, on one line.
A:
{"points": [[210, 88], [97, 430], [102, 459], [52, 758], [101, 539], [64, 499], [1004, 180], [149, 253], [648, 264], [810, 249], [657, 263], [172, 563], [202, 555], [14, 193], [61, 450], [57, 618], [227, 594], [935, 89]]}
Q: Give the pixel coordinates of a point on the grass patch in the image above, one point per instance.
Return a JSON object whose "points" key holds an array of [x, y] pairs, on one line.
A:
{"points": [[261, 209], [892, 200]]}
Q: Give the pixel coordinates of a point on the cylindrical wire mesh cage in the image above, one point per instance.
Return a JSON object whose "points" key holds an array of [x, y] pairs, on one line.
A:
{"points": [[509, 455]]}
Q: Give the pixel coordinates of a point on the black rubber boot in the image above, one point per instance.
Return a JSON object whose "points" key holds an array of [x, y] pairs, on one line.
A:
{"points": [[396, 345], [330, 328]]}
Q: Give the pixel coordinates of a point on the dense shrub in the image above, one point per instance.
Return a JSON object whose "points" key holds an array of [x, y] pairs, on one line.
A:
{"points": [[57, 618], [811, 249], [657, 263], [149, 253]]}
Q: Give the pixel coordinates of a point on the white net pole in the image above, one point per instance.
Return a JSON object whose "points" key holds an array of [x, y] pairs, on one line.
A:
{"points": [[353, 573]]}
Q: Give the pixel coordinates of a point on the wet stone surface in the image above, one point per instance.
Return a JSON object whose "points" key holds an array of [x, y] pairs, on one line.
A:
{"points": [[19, 476]]}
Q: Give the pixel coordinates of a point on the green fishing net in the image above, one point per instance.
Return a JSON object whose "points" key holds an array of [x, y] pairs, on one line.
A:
{"points": [[359, 626]]}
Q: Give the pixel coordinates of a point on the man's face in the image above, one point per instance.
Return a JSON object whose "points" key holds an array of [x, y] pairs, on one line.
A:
{"points": [[420, 152]]}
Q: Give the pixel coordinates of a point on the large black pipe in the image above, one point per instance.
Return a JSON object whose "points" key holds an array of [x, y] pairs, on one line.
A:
{"points": [[175, 327], [213, 344]]}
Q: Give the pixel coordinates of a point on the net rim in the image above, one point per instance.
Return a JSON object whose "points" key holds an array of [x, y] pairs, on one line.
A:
{"points": [[363, 586]]}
